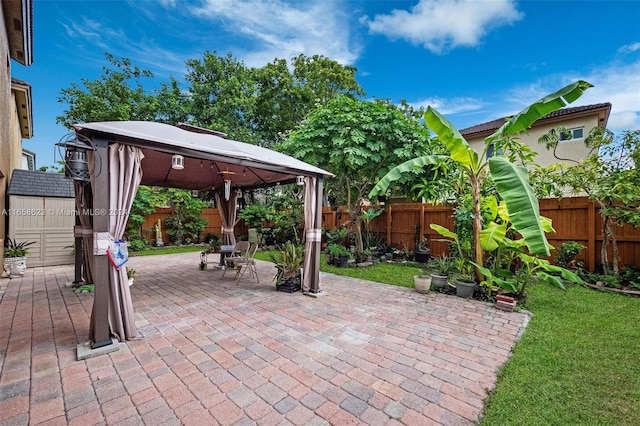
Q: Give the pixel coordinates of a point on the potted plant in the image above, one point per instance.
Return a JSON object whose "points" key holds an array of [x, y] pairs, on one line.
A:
{"points": [[288, 263], [465, 284], [131, 275], [422, 282], [422, 253], [15, 257], [340, 254], [443, 267]]}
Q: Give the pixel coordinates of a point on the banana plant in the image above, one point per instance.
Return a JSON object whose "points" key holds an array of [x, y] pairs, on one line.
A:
{"points": [[512, 181]]}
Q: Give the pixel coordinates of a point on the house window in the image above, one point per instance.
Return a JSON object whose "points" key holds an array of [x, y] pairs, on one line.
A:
{"points": [[575, 133], [491, 151]]}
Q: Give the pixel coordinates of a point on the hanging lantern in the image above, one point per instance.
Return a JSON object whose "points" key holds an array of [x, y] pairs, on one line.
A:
{"points": [[76, 165], [300, 180]]}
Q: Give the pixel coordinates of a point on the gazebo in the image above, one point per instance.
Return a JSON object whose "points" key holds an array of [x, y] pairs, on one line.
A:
{"points": [[108, 160]]}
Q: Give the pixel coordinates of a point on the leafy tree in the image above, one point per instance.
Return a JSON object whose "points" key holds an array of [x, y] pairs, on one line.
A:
{"points": [[116, 95], [357, 141], [222, 95], [511, 180], [258, 105], [143, 204], [609, 176]]}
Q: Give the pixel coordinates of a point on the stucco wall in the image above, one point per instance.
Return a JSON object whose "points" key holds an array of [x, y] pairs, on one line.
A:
{"points": [[5, 113], [572, 149]]}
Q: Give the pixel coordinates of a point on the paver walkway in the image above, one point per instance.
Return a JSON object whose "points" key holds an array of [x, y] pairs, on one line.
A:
{"points": [[212, 351]]}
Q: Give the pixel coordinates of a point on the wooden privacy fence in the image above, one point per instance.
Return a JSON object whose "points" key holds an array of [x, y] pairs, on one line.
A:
{"points": [[574, 219]]}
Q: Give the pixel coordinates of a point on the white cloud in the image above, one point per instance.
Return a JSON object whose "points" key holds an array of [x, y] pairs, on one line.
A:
{"points": [[629, 48], [461, 105], [441, 25], [619, 84], [283, 30]]}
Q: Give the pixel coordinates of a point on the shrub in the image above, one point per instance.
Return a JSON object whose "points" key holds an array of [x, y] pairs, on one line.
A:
{"points": [[566, 253]]}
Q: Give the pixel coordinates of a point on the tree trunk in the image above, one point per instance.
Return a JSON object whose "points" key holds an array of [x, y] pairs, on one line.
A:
{"points": [[614, 244], [605, 243], [477, 225]]}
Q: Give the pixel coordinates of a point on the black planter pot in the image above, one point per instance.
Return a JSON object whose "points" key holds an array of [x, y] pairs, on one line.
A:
{"points": [[343, 261], [289, 285], [422, 256]]}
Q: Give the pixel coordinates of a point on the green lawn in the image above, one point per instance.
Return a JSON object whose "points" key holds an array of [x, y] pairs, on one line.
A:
{"points": [[165, 250], [578, 362]]}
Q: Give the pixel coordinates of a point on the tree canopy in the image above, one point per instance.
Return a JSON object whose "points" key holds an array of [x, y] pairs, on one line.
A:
{"points": [[358, 141]]}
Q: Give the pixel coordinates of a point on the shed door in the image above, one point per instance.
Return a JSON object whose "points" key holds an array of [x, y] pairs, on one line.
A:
{"points": [[49, 222]]}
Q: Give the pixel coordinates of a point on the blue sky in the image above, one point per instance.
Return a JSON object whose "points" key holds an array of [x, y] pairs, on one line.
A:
{"points": [[474, 61]]}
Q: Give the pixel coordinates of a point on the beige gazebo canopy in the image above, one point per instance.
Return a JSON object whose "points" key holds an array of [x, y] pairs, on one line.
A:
{"points": [[125, 154]]}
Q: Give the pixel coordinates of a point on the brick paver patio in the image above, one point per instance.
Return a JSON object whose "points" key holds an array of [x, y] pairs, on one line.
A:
{"points": [[212, 351]]}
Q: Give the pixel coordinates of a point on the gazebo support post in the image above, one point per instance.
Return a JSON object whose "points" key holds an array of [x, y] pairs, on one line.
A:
{"points": [[317, 245], [78, 248], [100, 316]]}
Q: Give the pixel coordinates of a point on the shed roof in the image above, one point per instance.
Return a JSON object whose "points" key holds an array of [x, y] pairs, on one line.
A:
{"points": [[206, 155], [40, 184]]}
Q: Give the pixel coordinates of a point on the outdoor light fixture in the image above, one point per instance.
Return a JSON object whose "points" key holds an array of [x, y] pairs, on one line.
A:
{"points": [[177, 162], [76, 165], [300, 180], [226, 177]]}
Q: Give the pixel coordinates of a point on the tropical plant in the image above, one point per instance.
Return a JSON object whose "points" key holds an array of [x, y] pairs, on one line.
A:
{"points": [[131, 273], [531, 269], [336, 250], [443, 265], [511, 180], [288, 261], [185, 223], [566, 254], [12, 248]]}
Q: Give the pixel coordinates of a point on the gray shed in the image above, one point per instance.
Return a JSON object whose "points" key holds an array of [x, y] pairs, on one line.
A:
{"points": [[42, 209]]}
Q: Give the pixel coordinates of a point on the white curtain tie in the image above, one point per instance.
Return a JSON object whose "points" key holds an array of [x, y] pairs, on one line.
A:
{"points": [[227, 230], [314, 235]]}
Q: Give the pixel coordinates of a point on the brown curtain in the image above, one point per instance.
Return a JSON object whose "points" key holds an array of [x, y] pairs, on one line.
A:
{"points": [[125, 174], [227, 209], [312, 234]]}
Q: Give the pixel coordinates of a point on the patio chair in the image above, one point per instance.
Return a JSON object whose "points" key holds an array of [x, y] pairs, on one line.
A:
{"points": [[247, 262], [240, 252]]}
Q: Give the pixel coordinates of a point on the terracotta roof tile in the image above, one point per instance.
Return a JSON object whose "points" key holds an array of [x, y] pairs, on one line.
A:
{"points": [[495, 124]]}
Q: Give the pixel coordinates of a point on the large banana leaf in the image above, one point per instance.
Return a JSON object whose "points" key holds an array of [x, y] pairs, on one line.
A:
{"points": [[492, 236], [457, 146], [536, 110], [512, 182], [396, 172]]}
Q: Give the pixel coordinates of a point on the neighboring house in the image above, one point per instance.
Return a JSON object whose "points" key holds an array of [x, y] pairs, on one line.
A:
{"points": [[28, 160], [16, 40], [577, 120]]}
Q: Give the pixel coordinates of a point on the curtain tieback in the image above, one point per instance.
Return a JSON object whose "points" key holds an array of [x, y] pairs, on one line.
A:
{"points": [[82, 231], [227, 230], [314, 235]]}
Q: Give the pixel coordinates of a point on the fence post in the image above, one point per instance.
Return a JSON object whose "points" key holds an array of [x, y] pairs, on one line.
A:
{"points": [[389, 244]]}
